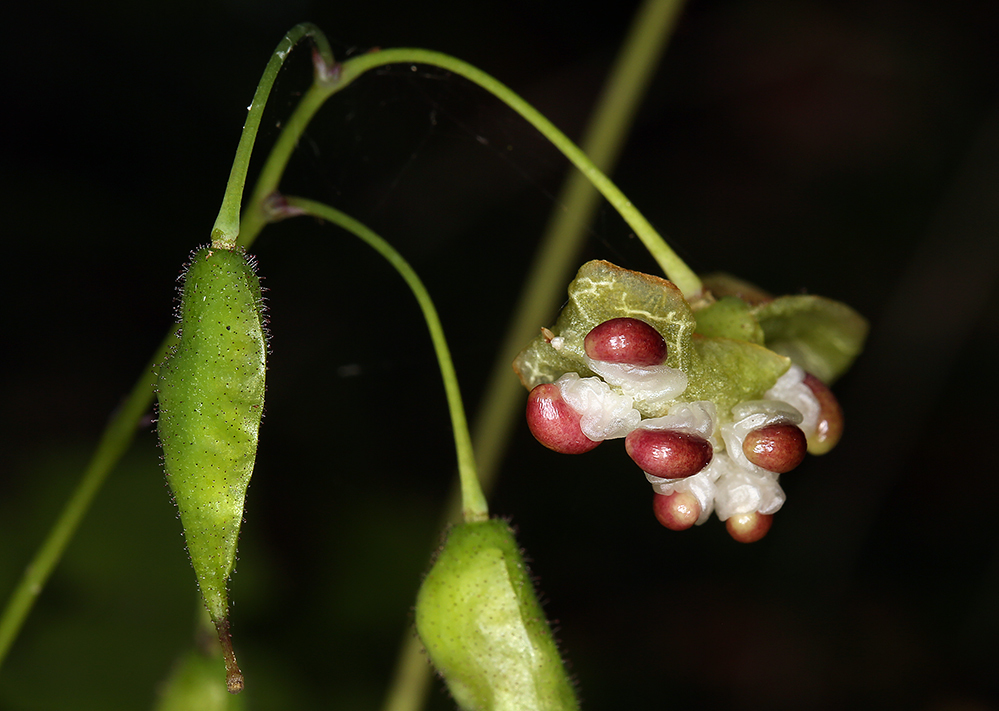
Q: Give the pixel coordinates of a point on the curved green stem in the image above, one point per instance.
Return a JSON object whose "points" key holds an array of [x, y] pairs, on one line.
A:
{"points": [[674, 267], [473, 501], [121, 430], [118, 435], [256, 216], [558, 253], [342, 75], [226, 227]]}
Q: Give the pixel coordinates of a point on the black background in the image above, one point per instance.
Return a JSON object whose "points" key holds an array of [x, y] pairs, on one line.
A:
{"points": [[847, 149]]}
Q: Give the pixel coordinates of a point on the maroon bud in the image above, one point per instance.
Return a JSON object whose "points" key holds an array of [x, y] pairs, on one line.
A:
{"points": [[778, 448], [554, 423], [749, 527], [667, 453], [677, 511], [626, 340], [830, 425]]}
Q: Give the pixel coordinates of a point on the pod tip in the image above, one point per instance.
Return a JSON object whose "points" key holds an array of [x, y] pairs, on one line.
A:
{"points": [[233, 676]]}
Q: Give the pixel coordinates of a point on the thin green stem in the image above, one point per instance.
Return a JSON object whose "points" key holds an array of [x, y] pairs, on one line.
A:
{"points": [[256, 216], [473, 501], [114, 442], [333, 78], [121, 430], [674, 267], [411, 677], [226, 228], [558, 252]]}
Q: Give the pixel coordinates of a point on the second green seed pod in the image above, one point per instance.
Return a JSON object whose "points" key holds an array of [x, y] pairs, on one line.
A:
{"points": [[484, 629]]}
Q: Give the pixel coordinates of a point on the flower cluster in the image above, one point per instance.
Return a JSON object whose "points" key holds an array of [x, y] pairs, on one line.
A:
{"points": [[714, 402]]}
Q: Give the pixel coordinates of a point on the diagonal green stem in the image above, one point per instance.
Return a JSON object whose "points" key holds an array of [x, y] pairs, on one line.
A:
{"points": [[674, 267], [473, 501], [329, 78], [121, 430], [118, 435], [256, 215]]}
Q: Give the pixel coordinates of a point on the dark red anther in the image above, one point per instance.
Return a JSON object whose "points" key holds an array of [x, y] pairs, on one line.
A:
{"points": [[749, 527], [554, 423], [778, 448], [667, 453], [677, 511], [830, 425], [626, 340]]}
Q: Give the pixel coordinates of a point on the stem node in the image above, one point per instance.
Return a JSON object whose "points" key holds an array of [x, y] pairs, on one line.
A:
{"points": [[326, 72]]}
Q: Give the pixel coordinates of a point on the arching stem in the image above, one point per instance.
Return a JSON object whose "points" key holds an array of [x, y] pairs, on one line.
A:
{"points": [[474, 507], [334, 78], [226, 228]]}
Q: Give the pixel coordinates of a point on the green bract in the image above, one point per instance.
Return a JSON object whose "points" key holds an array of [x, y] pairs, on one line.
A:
{"points": [[481, 623], [211, 396], [600, 292], [732, 349], [730, 317], [823, 336], [720, 369]]}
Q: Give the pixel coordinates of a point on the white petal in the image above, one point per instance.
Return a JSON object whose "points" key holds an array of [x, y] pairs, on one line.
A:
{"points": [[653, 386], [698, 418], [791, 388], [740, 490], [603, 413]]}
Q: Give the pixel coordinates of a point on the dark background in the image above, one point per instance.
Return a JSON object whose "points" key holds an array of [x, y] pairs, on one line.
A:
{"points": [[849, 149]]}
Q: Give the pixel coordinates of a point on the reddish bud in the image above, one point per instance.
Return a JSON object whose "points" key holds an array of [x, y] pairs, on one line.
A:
{"points": [[677, 511], [778, 448], [830, 425], [554, 423], [667, 453], [749, 527], [626, 340]]}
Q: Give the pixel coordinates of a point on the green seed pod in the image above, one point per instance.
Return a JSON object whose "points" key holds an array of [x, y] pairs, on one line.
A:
{"points": [[211, 396], [194, 684], [483, 627]]}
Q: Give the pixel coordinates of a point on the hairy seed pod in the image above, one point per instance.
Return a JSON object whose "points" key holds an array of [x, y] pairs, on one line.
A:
{"points": [[667, 453], [482, 626], [626, 340], [211, 396], [554, 423]]}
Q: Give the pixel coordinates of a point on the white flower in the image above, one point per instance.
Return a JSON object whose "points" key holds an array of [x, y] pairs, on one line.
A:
{"points": [[730, 484]]}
